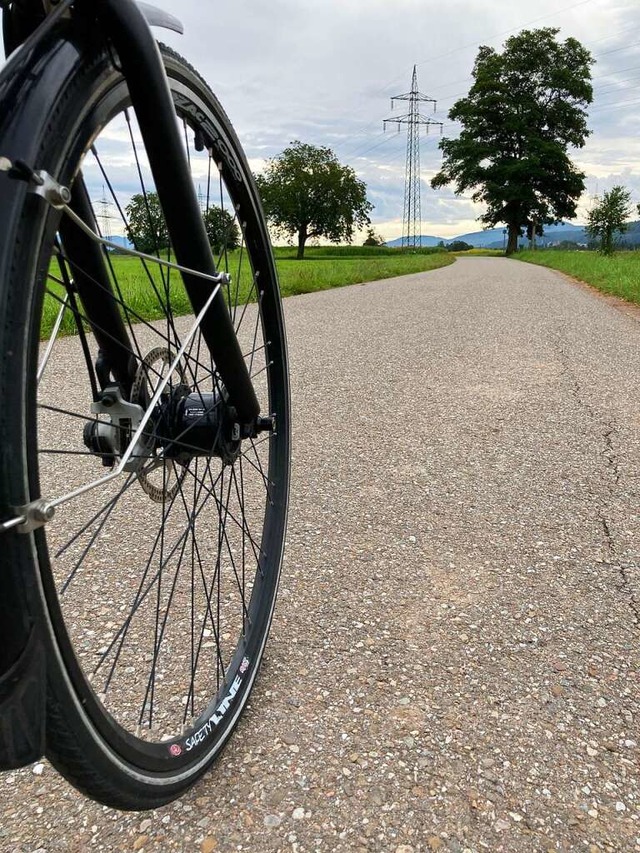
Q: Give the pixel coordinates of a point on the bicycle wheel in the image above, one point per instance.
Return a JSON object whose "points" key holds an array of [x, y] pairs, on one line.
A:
{"points": [[158, 586]]}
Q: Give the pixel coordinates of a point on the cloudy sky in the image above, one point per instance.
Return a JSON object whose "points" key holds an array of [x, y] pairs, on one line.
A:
{"points": [[323, 71]]}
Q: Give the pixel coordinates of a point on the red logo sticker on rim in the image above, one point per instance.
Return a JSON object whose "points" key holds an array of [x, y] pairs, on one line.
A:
{"points": [[175, 749]]}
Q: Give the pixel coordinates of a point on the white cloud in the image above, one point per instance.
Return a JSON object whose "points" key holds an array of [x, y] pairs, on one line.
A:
{"points": [[323, 72]]}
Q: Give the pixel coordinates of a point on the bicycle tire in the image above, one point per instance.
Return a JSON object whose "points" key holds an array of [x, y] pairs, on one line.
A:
{"points": [[124, 752]]}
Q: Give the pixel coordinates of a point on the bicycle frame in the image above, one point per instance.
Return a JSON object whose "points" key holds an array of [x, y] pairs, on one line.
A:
{"points": [[124, 26], [44, 37]]}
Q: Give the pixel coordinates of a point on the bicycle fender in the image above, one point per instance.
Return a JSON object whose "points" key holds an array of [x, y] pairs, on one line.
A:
{"points": [[157, 18], [15, 35]]}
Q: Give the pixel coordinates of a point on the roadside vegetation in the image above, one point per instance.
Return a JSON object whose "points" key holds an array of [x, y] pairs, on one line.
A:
{"points": [[335, 266], [488, 253], [322, 268], [618, 274], [308, 194]]}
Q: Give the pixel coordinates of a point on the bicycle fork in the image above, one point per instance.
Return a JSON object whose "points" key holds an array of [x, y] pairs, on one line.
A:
{"points": [[125, 26]]}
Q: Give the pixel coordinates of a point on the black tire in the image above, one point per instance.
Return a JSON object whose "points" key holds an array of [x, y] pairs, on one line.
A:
{"points": [[157, 592]]}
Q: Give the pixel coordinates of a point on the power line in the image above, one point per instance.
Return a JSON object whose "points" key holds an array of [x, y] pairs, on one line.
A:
{"points": [[388, 85], [505, 32], [448, 98], [612, 106]]}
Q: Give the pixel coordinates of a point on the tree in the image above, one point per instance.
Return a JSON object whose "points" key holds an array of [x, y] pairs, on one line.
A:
{"points": [[609, 215], [146, 228], [373, 239], [567, 245], [222, 230], [458, 246], [306, 192], [525, 108]]}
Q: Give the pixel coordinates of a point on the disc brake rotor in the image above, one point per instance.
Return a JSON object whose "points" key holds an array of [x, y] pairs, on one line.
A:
{"points": [[160, 479]]}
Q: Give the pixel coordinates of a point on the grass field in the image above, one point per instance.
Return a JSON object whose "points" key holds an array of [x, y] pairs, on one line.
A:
{"points": [[321, 269], [618, 274], [328, 267], [485, 253]]}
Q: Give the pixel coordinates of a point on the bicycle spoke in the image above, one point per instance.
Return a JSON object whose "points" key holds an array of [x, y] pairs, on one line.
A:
{"points": [[140, 597], [142, 260], [127, 484], [258, 467], [143, 591], [107, 334], [253, 288], [163, 584], [238, 278], [105, 512], [195, 653], [255, 545]]}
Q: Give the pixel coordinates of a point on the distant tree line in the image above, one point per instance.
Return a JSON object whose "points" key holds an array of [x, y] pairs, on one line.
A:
{"points": [[455, 246], [147, 229]]}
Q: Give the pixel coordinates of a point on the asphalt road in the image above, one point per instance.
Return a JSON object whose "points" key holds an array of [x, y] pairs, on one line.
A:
{"points": [[455, 659]]}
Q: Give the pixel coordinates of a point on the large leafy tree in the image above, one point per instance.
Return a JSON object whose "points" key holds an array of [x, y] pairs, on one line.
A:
{"points": [[526, 107], [608, 216], [146, 227], [306, 192]]}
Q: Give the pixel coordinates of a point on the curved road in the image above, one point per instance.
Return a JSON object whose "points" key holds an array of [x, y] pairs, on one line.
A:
{"points": [[455, 661]]}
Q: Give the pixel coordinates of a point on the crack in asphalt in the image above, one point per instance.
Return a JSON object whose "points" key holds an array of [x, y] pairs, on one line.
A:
{"points": [[608, 535], [612, 469], [609, 452], [625, 587]]}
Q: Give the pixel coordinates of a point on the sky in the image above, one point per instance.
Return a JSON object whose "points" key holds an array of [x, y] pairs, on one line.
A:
{"points": [[323, 72]]}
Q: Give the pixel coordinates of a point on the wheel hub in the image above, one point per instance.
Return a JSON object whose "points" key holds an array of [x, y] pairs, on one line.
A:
{"points": [[199, 424], [184, 425]]}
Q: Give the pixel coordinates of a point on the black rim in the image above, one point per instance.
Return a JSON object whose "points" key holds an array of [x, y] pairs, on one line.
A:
{"points": [[160, 587]]}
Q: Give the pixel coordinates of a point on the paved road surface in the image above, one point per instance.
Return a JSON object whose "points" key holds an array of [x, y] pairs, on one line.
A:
{"points": [[456, 654]]}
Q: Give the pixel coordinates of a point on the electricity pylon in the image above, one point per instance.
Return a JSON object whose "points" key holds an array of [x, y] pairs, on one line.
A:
{"points": [[412, 215], [104, 216]]}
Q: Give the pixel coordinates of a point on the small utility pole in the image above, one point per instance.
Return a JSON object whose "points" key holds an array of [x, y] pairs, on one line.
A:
{"points": [[412, 215]]}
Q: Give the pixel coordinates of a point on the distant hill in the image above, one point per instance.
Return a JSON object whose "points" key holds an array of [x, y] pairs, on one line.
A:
{"points": [[493, 238], [426, 241], [631, 237], [120, 241]]}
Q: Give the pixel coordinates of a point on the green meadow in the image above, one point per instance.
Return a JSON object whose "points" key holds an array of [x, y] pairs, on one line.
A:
{"points": [[322, 268], [618, 274], [336, 266]]}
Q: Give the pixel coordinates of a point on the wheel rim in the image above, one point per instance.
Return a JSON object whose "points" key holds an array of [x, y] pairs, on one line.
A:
{"points": [[160, 602]]}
